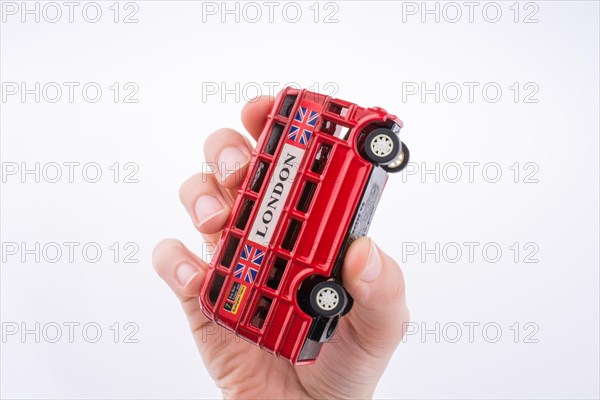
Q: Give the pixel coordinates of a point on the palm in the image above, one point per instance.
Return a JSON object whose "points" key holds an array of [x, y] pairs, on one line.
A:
{"points": [[243, 369], [232, 361]]}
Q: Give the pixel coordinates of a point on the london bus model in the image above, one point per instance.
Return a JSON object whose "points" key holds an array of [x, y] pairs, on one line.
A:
{"points": [[315, 179]]}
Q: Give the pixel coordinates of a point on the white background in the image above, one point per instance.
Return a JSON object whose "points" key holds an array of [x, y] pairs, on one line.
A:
{"points": [[371, 55]]}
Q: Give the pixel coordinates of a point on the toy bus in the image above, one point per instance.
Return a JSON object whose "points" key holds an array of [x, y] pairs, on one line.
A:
{"points": [[312, 187]]}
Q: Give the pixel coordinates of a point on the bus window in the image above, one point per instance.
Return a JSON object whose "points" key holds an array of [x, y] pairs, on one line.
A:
{"points": [[262, 310], [274, 138], [276, 273], [259, 176], [306, 196], [230, 250], [342, 132], [215, 288], [321, 159], [244, 215], [291, 235], [334, 129], [337, 109], [288, 104]]}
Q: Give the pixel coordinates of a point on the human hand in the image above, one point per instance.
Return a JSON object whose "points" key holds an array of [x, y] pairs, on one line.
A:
{"points": [[348, 367]]}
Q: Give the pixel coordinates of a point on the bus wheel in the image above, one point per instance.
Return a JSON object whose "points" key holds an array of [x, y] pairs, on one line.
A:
{"points": [[400, 162], [328, 299], [382, 146]]}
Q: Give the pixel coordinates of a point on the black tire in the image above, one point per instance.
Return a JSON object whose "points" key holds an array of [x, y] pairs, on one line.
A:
{"points": [[349, 305], [327, 299], [401, 166], [382, 146]]}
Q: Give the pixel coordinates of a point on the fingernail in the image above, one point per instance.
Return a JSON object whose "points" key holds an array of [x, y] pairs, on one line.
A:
{"points": [[207, 207], [185, 273], [231, 160], [374, 265]]}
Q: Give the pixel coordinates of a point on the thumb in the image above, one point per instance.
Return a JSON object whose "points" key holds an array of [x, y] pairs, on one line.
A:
{"points": [[375, 282]]}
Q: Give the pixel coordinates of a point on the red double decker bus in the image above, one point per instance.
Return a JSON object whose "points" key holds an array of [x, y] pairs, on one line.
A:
{"points": [[313, 185]]}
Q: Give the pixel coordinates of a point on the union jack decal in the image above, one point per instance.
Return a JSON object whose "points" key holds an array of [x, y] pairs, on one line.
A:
{"points": [[303, 125], [250, 260]]}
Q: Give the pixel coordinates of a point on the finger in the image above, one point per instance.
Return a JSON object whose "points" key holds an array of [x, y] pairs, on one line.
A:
{"points": [[207, 203], [211, 238], [254, 114], [375, 282], [228, 153], [182, 270]]}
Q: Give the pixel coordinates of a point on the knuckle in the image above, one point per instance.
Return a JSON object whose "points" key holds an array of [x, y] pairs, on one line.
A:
{"points": [[162, 253], [189, 186], [218, 139]]}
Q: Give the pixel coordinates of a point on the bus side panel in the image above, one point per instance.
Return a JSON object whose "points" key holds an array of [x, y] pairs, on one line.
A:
{"points": [[278, 324], [297, 331], [335, 201]]}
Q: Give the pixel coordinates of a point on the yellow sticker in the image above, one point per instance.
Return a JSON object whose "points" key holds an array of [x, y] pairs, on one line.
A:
{"points": [[238, 300]]}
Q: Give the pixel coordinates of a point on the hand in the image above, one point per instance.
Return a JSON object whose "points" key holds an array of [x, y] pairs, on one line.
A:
{"points": [[348, 367]]}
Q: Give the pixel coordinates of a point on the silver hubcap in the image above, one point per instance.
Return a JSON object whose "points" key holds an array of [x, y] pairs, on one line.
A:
{"points": [[382, 145], [397, 161], [327, 299]]}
